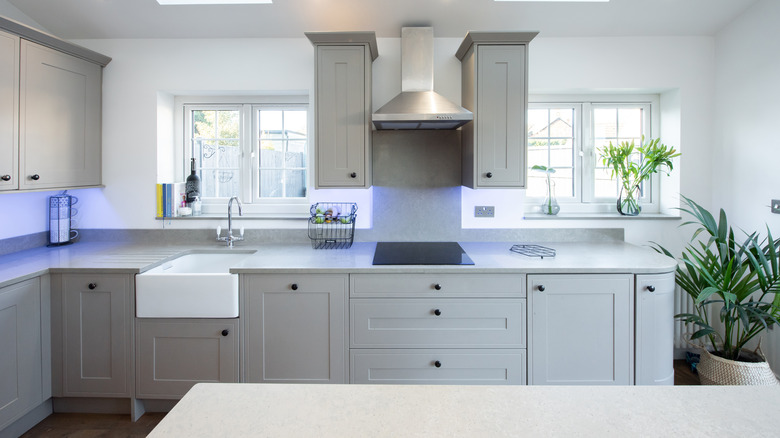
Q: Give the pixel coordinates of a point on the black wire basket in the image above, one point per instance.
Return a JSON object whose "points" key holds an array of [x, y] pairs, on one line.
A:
{"points": [[332, 225]]}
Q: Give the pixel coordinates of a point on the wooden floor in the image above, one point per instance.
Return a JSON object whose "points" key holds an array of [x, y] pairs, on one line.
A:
{"points": [[120, 426]]}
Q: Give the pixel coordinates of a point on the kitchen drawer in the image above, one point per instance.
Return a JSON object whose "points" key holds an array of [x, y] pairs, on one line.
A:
{"points": [[437, 323], [445, 367], [437, 285]]}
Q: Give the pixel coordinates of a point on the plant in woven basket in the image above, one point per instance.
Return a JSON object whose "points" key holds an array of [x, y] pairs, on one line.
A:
{"points": [[738, 279]]}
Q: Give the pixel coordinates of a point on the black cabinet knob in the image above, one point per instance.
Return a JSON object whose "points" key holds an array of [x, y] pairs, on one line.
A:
{"points": [[437, 312], [651, 288], [437, 286], [225, 332], [489, 175], [6, 177], [540, 288], [294, 286], [35, 177], [353, 175], [437, 364], [92, 286]]}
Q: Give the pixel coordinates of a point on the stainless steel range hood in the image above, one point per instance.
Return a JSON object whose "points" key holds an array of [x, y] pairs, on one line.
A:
{"points": [[418, 106]]}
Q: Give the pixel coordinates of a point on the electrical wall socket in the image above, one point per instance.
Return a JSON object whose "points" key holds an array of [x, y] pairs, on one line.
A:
{"points": [[484, 211], [776, 206]]}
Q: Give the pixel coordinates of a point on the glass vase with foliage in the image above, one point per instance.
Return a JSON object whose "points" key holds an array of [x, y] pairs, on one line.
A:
{"points": [[738, 280], [550, 205], [633, 165]]}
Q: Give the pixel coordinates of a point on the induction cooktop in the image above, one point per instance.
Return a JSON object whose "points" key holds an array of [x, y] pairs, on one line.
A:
{"points": [[420, 253]]}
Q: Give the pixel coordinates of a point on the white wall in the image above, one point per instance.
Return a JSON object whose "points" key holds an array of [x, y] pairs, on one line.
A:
{"points": [[746, 146]]}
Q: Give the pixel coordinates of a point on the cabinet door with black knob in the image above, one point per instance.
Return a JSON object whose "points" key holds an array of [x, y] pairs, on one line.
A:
{"points": [[96, 349], [172, 355], [295, 328], [581, 329], [9, 111]]}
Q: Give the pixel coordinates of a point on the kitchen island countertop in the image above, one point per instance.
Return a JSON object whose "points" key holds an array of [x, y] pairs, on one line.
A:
{"points": [[296, 410], [582, 257]]}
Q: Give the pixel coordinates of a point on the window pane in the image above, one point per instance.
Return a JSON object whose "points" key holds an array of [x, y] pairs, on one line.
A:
{"points": [[215, 140], [282, 158], [605, 123], [605, 187], [551, 144]]}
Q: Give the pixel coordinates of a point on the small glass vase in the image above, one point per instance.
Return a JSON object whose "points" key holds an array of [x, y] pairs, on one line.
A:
{"points": [[550, 205], [628, 202]]}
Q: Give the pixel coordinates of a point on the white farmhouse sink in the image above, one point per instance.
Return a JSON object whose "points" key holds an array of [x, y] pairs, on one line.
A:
{"points": [[191, 286]]}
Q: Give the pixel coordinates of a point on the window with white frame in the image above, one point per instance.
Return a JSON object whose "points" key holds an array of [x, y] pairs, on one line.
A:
{"points": [[256, 149], [564, 133]]}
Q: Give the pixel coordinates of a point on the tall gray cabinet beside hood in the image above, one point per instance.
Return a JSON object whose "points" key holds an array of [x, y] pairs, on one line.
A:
{"points": [[342, 108], [494, 87]]}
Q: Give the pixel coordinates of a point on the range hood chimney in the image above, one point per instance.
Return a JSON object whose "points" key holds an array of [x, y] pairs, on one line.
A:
{"points": [[418, 106]]}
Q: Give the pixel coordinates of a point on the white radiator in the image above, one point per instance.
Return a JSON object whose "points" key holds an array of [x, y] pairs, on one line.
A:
{"points": [[682, 304]]}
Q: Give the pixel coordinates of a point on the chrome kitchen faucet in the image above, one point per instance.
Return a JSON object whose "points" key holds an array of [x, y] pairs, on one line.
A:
{"points": [[230, 238]]}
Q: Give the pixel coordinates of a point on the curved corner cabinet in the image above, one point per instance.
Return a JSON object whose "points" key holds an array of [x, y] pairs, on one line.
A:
{"points": [[50, 111], [494, 87], [343, 108]]}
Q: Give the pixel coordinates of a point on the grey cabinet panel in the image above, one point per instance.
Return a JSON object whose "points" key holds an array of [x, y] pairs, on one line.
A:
{"points": [[655, 329], [581, 329], [96, 334], [437, 285], [295, 328], [447, 367], [174, 355], [9, 111], [21, 346], [437, 323], [494, 87], [60, 119], [343, 116]]}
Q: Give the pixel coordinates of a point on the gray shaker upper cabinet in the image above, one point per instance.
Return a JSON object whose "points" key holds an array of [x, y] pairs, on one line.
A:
{"points": [[50, 89], [9, 111], [494, 87], [342, 115]]}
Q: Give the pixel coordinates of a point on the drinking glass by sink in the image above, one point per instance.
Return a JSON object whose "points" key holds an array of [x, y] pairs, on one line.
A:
{"points": [[190, 286]]}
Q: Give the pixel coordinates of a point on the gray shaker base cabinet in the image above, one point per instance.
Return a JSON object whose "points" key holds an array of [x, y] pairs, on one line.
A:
{"points": [[21, 386], [174, 354], [295, 328]]}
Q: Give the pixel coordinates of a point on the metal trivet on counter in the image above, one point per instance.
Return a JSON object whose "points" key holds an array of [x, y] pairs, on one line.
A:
{"points": [[533, 250]]}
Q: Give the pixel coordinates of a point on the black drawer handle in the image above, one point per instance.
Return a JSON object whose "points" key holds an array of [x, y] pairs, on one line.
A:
{"points": [[92, 286], [651, 288], [437, 286], [294, 286], [225, 332], [6, 177], [353, 175], [437, 364], [489, 175], [35, 177], [437, 312], [540, 288]]}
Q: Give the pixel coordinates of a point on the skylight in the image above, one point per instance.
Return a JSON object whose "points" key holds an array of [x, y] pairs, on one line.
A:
{"points": [[212, 2]]}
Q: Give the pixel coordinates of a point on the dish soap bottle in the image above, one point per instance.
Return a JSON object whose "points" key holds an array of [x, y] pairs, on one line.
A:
{"points": [[192, 186]]}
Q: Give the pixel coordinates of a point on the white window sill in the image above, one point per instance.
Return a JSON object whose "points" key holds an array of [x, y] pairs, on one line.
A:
{"points": [[246, 216], [600, 216]]}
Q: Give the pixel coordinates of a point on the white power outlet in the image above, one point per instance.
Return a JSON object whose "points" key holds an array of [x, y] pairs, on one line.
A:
{"points": [[484, 211]]}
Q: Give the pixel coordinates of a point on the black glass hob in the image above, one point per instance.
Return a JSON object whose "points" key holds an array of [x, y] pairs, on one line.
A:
{"points": [[420, 253]]}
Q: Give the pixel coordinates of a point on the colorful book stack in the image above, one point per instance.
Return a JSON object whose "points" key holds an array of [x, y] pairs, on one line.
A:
{"points": [[170, 196]]}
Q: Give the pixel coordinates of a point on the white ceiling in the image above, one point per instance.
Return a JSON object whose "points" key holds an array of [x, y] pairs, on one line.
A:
{"points": [[84, 19]]}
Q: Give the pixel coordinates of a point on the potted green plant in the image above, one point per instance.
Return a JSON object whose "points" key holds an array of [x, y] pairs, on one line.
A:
{"points": [[550, 205], [736, 281], [634, 165]]}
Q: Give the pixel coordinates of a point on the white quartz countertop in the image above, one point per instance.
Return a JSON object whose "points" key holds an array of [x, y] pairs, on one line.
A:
{"points": [[294, 410], [612, 257]]}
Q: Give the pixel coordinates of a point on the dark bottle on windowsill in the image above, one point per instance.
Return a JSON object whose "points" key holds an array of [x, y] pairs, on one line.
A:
{"points": [[192, 186]]}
